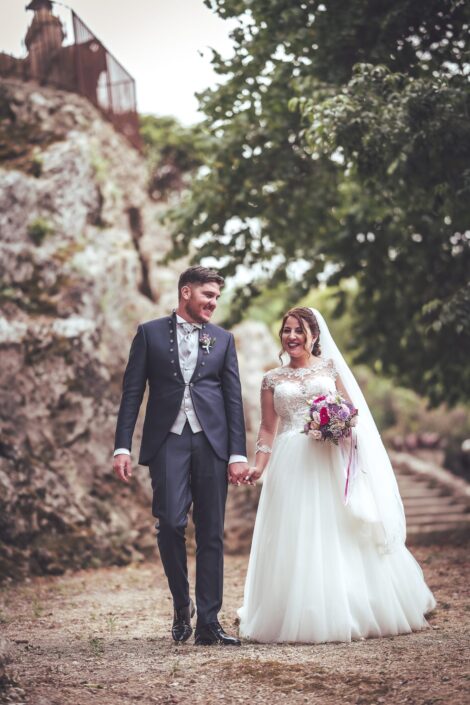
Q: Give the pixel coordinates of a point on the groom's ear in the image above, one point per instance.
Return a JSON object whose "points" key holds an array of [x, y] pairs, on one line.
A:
{"points": [[186, 292]]}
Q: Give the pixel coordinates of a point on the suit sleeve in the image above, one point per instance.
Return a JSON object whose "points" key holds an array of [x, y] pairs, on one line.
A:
{"points": [[232, 392], [133, 388]]}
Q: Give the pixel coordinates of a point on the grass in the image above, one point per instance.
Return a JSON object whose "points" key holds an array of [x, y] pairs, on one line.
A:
{"points": [[37, 608], [96, 645], [111, 622]]}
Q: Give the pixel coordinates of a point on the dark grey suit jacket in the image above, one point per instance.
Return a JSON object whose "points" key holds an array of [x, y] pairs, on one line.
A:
{"points": [[214, 387]]}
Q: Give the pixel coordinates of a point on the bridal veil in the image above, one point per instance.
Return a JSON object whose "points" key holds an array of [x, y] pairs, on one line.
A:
{"points": [[374, 498]]}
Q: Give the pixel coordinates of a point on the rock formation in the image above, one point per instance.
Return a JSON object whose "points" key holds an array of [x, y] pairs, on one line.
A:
{"points": [[78, 250]]}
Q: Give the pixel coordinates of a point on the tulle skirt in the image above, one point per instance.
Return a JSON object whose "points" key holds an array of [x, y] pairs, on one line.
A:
{"points": [[313, 575]]}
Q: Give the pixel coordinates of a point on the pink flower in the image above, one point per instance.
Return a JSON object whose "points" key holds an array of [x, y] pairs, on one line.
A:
{"points": [[324, 416], [322, 398]]}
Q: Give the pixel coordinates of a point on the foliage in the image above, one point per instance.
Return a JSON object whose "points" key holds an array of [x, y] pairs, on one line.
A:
{"points": [[39, 229], [405, 237], [172, 151], [341, 150]]}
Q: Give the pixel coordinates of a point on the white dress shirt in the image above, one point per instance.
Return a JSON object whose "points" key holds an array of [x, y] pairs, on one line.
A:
{"points": [[187, 365]]}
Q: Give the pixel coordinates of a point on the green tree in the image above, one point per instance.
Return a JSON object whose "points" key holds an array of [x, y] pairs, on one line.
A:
{"points": [[403, 224], [342, 145], [173, 152]]}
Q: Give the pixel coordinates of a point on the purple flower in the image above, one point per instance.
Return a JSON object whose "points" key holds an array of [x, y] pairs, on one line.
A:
{"points": [[206, 343], [330, 418]]}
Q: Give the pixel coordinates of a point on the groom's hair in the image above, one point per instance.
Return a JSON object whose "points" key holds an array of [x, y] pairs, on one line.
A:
{"points": [[199, 275]]}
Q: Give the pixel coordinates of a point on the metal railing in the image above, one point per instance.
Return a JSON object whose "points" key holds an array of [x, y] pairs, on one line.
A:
{"points": [[82, 65]]}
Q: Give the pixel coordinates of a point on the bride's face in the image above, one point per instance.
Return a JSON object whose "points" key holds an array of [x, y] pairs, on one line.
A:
{"points": [[294, 341]]}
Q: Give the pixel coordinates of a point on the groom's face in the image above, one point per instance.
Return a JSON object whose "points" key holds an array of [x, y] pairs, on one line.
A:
{"points": [[200, 301]]}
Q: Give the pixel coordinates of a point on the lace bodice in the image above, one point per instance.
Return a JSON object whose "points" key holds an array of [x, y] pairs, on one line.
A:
{"points": [[292, 388]]}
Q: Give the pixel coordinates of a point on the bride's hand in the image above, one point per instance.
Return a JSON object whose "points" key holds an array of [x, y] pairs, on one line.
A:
{"points": [[253, 475]]}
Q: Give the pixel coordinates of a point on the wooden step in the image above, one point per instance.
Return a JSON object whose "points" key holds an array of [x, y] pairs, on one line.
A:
{"points": [[420, 489], [417, 491], [436, 511], [433, 508], [437, 527], [443, 518], [408, 477], [420, 500]]}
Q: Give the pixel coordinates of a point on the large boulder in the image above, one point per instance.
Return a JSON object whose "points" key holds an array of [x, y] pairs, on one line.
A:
{"points": [[80, 241]]}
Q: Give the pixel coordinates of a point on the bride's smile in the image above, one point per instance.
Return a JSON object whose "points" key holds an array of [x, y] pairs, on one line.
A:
{"points": [[296, 341]]}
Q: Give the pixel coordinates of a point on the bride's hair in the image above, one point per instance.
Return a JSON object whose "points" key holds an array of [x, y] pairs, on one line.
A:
{"points": [[305, 317]]}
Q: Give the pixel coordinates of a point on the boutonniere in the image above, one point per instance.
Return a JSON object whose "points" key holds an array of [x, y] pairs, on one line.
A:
{"points": [[206, 343]]}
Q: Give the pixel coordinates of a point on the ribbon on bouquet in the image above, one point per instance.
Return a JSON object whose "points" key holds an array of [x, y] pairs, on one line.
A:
{"points": [[352, 466]]}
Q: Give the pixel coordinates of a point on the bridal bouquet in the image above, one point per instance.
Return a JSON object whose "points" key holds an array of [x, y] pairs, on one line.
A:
{"points": [[330, 418]]}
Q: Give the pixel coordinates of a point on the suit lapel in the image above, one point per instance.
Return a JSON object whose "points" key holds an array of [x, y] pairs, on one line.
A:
{"points": [[200, 352]]}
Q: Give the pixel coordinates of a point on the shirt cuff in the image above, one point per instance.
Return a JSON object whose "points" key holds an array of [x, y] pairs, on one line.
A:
{"points": [[237, 459], [121, 451]]}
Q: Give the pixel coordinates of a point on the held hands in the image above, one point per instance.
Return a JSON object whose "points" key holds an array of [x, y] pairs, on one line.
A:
{"points": [[254, 474], [242, 474], [237, 472], [122, 466]]}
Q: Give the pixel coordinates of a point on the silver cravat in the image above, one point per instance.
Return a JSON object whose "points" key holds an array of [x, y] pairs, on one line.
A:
{"points": [[186, 342]]}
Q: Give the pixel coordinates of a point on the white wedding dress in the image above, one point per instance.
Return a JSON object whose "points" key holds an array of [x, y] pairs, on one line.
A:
{"points": [[314, 575]]}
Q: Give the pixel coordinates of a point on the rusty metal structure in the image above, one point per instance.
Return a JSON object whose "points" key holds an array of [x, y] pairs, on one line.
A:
{"points": [[63, 52]]}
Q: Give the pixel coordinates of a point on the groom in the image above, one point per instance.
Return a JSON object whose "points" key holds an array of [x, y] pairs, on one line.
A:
{"points": [[193, 428]]}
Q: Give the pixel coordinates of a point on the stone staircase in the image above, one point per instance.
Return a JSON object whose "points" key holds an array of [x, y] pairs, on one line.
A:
{"points": [[437, 504]]}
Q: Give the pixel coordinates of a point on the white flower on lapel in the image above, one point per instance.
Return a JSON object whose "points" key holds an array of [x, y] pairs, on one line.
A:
{"points": [[206, 343]]}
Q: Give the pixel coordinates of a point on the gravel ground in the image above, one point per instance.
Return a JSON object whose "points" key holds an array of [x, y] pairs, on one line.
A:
{"points": [[102, 637]]}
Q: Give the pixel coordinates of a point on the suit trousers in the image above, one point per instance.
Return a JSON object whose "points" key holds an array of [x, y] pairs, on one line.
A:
{"points": [[186, 471]]}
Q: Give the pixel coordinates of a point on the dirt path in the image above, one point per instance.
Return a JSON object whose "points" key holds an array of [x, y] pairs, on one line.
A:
{"points": [[102, 637]]}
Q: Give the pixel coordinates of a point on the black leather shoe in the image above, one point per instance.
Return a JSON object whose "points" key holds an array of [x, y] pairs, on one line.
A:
{"points": [[214, 634], [182, 629]]}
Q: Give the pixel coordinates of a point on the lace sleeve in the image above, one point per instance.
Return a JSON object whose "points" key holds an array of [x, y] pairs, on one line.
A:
{"points": [[268, 381]]}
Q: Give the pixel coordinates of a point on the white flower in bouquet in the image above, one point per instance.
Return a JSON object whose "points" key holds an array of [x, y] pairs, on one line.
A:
{"points": [[316, 435]]}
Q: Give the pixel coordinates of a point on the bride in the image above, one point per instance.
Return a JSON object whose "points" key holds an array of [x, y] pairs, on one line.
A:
{"points": [[326, 564]]}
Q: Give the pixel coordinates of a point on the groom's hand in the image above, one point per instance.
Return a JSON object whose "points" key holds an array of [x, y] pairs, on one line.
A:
{"points": [[122, 466], [237, 472]]}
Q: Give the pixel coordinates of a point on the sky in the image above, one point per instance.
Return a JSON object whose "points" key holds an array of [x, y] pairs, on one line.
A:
{"points": [[157, 41]]}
